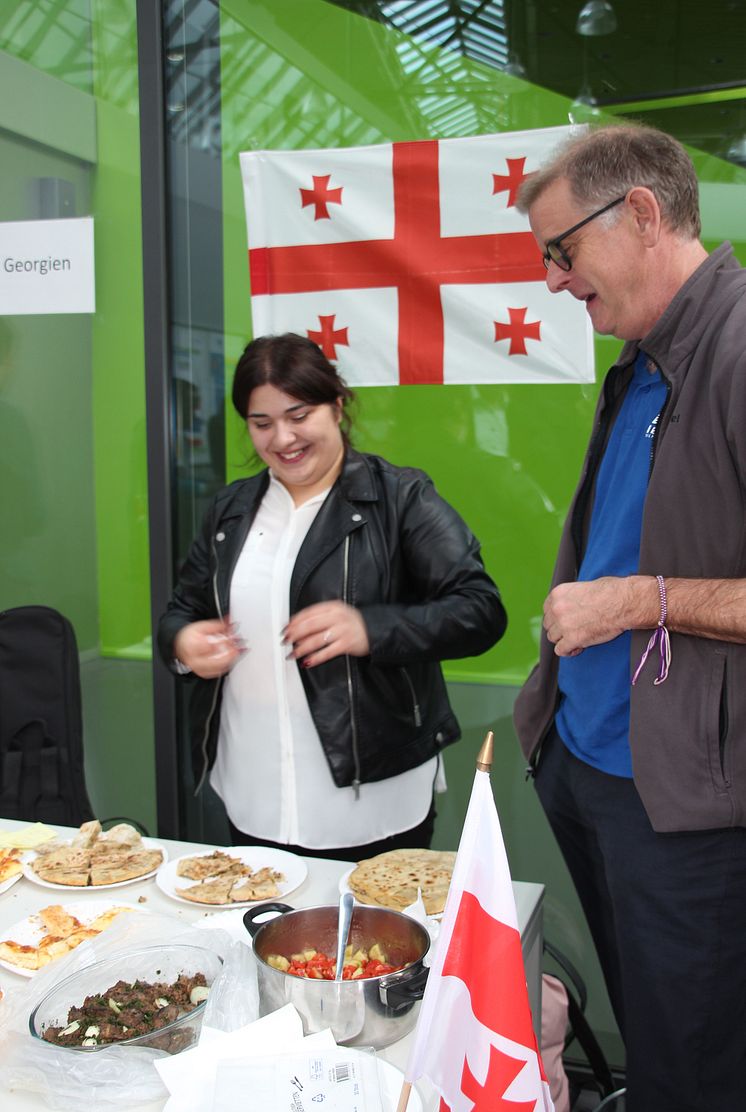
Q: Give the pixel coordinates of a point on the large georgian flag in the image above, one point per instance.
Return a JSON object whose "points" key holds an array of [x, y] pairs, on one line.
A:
{"points": [[409, 262], [474, 1038]]}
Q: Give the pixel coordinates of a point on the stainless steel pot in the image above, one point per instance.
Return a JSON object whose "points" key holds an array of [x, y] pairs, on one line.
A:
{"points": [[373, 1012]]}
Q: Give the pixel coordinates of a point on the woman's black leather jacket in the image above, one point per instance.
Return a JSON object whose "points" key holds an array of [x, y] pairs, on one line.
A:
{"points": [[385, 542]]}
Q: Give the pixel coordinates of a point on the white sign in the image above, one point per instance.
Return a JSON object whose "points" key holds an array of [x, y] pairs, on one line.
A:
{"points": [[46, 266]]}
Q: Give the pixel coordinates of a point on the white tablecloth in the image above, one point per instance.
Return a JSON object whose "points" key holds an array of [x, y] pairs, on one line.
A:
{"points": [[321, 886]]}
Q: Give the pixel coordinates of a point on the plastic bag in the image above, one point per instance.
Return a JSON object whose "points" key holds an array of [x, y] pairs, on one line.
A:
{"points": [[418, 911], [234, 998], [116, 1076]]}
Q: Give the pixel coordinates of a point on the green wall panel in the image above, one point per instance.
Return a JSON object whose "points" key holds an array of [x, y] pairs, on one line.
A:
{"points": [[73, 482], [304, 74], [76, 500], [505, 456], [295, 73], [47, 536], [118, 356]]}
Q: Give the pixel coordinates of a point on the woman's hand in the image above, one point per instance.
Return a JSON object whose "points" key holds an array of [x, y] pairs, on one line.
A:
{"points": [[209, 648], [325, 630]]}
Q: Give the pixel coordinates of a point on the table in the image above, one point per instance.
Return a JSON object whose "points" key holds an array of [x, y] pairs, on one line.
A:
{"points": [[320, 887]]}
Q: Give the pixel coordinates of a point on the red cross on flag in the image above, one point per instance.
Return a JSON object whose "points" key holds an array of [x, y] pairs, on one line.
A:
{"points": [[474, 1038], [409, 263]]}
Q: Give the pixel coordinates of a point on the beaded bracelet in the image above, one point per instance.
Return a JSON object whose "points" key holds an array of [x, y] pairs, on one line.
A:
{"points": [[661, 637]]}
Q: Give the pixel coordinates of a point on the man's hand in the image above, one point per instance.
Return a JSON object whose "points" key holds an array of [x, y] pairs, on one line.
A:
{"points": [[577, 615], [209, 648], [325, 630]]}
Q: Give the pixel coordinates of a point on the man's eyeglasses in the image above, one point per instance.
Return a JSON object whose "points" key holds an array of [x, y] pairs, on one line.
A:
{"points": [[555, 253]]}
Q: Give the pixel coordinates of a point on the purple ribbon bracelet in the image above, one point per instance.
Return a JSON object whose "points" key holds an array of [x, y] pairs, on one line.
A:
{"points": [[660, 638]]}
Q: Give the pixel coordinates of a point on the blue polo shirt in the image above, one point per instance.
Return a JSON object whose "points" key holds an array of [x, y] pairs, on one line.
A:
{"points": [[593, 717]]}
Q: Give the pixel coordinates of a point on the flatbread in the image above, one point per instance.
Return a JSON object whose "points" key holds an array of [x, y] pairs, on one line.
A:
{"points": [[120, 835], [87, 834], [211, 865], [58, 872], [64, 933], [239, 883], [124, 865], [63, 865], [392, 879], [69, 856], [55, 920], [94, 858], [25, 957], [261, 885], [106, 918], [10, 864], [57, 947], [209, 891]]}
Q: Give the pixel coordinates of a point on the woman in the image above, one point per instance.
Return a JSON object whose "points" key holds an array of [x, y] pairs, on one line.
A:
{"points": [[312, 612]]}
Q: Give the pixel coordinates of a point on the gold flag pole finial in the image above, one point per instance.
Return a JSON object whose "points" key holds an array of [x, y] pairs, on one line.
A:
{"points": [[484, 760]]}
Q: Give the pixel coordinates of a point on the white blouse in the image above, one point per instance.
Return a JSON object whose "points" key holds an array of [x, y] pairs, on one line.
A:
{"points": [[271, 771]]}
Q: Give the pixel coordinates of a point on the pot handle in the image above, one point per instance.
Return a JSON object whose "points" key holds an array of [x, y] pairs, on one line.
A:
{"points": [[262, 909], [398, 992]]}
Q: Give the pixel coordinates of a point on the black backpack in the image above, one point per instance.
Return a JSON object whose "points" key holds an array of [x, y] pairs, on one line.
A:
{"points": [[42, 776]]}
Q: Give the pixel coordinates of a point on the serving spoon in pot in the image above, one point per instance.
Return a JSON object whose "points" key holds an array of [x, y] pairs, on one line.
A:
{"points": [[346, 904]]}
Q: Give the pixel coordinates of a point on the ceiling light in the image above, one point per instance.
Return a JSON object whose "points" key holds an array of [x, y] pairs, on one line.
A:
{"points": [[737, 151], [514, 65], [597, 17], [583, 112]]}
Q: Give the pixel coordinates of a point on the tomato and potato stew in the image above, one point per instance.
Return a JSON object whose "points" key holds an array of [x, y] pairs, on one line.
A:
{"points": [[316, 965]]}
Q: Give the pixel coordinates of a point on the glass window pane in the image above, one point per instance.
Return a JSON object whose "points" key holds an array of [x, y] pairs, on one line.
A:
{"points": [[73, 483]]}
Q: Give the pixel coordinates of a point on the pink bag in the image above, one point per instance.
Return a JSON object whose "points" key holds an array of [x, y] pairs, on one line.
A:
{"points": [[553, 1031]]}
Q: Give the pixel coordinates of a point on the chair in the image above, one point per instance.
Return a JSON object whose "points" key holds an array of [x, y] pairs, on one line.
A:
{"points": [[614, 1102], [579, 1030]]}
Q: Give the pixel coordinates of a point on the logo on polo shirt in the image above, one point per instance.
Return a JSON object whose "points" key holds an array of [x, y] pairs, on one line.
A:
{"points": [[650, 433]]}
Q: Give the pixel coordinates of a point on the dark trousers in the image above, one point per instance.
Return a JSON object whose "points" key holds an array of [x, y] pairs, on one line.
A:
{"points": [[419, 837], [667, 913]]}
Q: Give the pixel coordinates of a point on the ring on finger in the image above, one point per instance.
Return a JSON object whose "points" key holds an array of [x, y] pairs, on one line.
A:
{"points": [[327, 637]]}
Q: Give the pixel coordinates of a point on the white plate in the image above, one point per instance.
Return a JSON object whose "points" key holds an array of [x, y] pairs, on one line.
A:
{"points": [[293, 868], [29, 931], [147, 843], [344, 887]]}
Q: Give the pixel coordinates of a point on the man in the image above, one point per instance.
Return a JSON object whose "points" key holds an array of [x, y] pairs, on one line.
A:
{"points": [[634, 720]]}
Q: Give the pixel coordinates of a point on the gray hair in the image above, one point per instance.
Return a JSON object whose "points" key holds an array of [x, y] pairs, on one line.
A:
{"points": [[608, 161]]}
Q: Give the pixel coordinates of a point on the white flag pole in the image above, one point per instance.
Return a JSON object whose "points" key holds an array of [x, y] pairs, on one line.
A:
{"points": [[484, 764]]}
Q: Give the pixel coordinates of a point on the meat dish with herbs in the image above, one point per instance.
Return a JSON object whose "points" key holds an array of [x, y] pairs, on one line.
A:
{"points": [[129, 1010]]}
